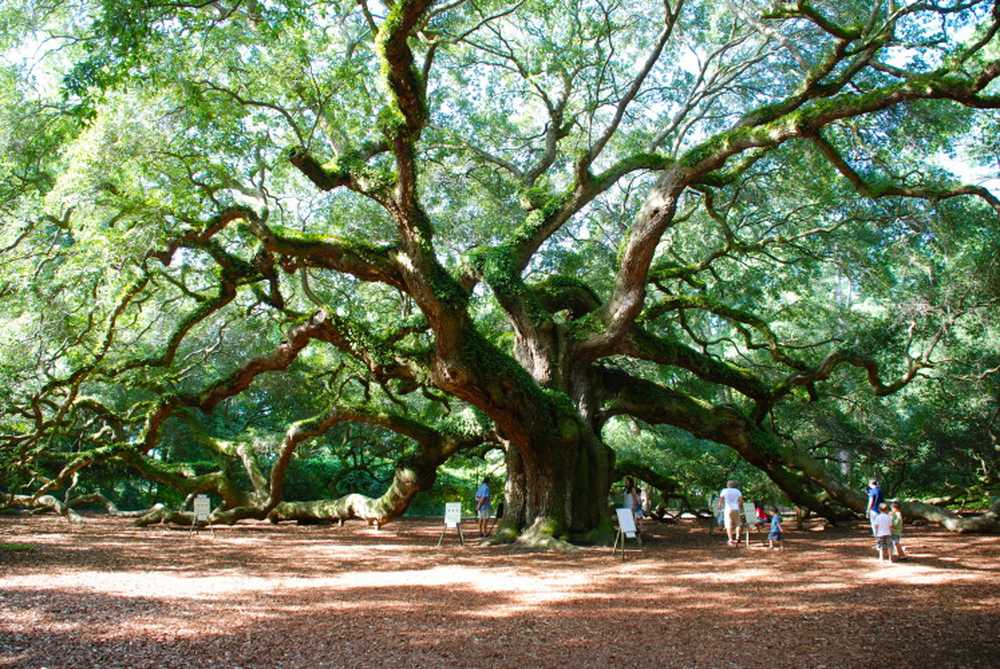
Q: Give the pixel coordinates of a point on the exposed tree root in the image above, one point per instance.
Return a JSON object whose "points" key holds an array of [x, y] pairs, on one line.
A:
{"points": [[540, 535]]}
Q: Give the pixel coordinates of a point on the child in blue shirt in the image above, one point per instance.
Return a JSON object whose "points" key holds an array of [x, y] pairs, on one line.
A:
{"points": [[775, 536]]}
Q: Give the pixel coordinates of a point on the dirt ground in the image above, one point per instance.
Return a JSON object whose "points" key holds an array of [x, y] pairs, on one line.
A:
{"points": [[106, 594]]}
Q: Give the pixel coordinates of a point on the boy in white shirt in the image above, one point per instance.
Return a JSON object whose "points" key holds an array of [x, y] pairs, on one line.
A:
{"points": [[882, 525]]}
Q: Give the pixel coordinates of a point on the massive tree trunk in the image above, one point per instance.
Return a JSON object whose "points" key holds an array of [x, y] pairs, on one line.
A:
{"points": [[559, 473], [560, 491]]}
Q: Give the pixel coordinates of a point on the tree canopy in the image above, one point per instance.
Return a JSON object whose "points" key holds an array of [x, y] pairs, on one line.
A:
{"points": [[597, 235]]}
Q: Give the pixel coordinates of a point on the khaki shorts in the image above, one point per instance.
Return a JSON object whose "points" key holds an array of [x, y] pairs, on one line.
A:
{"points": [[732, 519]]}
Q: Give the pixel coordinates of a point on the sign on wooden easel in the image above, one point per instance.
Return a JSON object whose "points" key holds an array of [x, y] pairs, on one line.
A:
{"points": [[452, 519], [749, 519], [202, 510], [626, 522], [626, 530], [202, 507], [452, 514]]}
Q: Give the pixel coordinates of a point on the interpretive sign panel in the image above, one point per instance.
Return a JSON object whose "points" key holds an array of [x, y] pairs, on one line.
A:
{"points": [[452, 514], [749, 513], [202, 507], [626, 521]]}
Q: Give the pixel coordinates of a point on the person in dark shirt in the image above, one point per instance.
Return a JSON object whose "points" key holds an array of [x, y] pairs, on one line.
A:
{"points": [[874, 500]]}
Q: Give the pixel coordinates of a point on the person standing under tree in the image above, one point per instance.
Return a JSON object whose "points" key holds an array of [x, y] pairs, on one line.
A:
{"points": [[732, 499], [874, 501], [483, 505], [883, 532], [897, 530], [775, 535], [631, 497]]}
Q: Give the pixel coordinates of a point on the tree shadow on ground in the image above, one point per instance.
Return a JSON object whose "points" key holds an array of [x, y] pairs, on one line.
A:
{"points": [[448, 625], [294, 597]]}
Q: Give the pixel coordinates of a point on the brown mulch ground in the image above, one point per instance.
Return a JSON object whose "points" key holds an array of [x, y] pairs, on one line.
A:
{"points": [[105, 594]]}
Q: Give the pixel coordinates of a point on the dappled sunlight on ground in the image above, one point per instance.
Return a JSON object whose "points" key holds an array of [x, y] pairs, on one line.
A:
{"points": [[108, 594]]}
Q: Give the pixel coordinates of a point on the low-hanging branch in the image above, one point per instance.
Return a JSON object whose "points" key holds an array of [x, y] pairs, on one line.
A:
{"points": [[413, 473]]}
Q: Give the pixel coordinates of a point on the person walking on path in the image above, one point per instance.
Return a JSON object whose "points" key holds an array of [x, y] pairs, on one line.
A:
{"points": [[483, 505], [883, 532], [875, 500], [775, 535], [897, 530], [731, 500]]}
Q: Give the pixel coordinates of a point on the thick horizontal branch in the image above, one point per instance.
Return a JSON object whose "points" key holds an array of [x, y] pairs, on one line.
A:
{"points": [[626, 394], [808, 120], [349, 170], [413, 474], [646, 346]]}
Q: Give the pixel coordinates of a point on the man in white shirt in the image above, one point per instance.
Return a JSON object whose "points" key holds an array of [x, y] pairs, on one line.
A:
{"points": [[731, 499]]}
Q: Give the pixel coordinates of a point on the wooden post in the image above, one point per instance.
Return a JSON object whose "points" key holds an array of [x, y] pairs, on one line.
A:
{"points": [[461, 537]]}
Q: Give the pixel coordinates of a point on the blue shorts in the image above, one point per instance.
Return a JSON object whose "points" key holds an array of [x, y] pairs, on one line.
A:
{"points": [[774, 536]]}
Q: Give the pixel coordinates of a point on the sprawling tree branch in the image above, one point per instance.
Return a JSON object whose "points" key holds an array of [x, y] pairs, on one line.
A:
{"points": [[657, 215]]}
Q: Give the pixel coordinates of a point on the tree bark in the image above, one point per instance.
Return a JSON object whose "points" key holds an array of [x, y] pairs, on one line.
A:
{"points": [[559, 494], [560, 477]]}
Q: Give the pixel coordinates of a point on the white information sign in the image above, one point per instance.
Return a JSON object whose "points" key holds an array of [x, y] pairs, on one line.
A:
{"points": [[750, 513], [452, 514], [202, 507], [626, 521]]}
